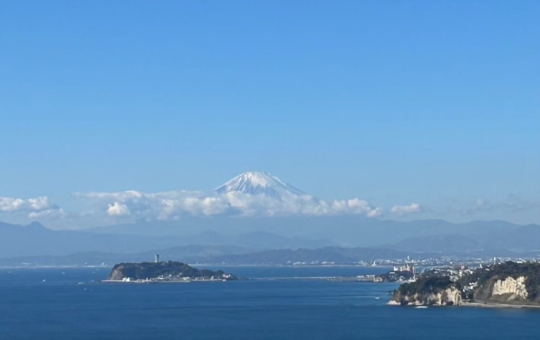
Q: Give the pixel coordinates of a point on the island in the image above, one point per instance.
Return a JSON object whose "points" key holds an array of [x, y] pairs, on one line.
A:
{"points": [[152, 272], [506, 284]]}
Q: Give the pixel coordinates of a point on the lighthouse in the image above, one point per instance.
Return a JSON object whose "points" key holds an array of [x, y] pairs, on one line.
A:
{"points": [[157, 258]]}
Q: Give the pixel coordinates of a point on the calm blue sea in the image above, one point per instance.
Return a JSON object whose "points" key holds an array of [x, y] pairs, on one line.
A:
{"points": [[68, 305]]}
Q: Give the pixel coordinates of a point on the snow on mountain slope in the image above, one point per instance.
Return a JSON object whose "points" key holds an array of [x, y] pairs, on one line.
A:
{"points": [[255, 183]]}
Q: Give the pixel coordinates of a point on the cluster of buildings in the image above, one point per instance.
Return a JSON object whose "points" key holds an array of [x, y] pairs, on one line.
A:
{"points": [[454, 273], [405, 268], [407, 264]]}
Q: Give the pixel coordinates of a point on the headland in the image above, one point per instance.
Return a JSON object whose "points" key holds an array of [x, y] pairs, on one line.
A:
{"points": [[509, 284]]}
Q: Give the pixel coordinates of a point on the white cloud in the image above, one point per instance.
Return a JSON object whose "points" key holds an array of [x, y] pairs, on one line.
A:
{"points": [[49, 214], [8, 204], [35, 207], [174, 204], [355, 206], [403, 210], [118, 209], [41, 203]]}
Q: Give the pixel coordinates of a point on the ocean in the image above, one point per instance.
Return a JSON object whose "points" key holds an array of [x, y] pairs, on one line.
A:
{"points": [[69, 303]]}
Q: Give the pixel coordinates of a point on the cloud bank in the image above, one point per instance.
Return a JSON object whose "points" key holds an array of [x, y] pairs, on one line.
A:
{"points": [[175, 204], [404, 210], [511, 203], [33, 208], [102, 208]]}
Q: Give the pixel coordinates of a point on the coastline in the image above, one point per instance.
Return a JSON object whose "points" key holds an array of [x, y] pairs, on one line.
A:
{"points": [[476, 304], [204, 265], [146, 281], [485, 304]]}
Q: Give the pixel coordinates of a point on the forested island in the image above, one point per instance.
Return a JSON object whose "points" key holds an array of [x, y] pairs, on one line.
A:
{"points": [[164, 272], [509, 283]]}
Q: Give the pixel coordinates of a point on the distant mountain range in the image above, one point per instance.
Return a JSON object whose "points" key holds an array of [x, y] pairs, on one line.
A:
{"points": [[350, 230], [522, 238], [34, 239], [428, 236]]}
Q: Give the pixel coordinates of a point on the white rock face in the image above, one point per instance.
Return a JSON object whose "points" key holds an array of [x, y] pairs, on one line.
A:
{"points": [[452, 296], [449, 296], [516, 287]]}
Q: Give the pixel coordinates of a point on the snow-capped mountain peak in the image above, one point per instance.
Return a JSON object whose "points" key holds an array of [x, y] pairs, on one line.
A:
{"points": [[255, 183]]}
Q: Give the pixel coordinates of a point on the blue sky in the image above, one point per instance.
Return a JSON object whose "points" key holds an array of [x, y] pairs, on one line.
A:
{"points": [[434, 102]]}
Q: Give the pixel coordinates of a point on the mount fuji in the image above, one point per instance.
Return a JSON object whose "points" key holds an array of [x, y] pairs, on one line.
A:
{"points": [[259, 183], [250, 194]]}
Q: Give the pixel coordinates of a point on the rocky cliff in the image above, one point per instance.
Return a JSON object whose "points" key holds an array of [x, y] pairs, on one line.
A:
{"points": [[428, 291], [447, 297], [507, 283], [515, 287], [509, 290]]}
